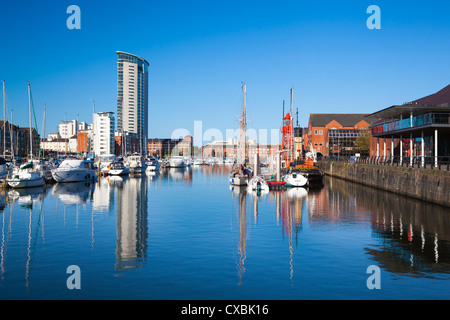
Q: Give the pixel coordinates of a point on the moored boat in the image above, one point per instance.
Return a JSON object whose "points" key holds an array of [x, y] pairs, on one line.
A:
{"points": [[26, 177], [118, 168], [152, 165], [74, 170], [177, 162], [294, 178], [136, 164], [258, 184]]}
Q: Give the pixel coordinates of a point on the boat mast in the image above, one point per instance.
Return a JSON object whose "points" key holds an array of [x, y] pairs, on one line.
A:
{"points": [[11, 135], [4, 119], [43, 132], [242, 139], [291, 142], [29, 110]]}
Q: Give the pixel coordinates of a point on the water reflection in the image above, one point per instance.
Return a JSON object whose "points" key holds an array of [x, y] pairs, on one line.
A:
{"points": [[73, 193], [241, 194], [132, 222], [404, 236], [413, 236]]}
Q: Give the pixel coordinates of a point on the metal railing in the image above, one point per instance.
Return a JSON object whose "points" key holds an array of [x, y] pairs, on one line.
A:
{"points": [[417, 121], [429, 162]]}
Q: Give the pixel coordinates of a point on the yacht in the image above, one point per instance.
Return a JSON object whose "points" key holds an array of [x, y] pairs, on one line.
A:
{"points": [[135, 163], [118, 168], [153, 165], [105, 162], [295, 179], [26, 177], [177, 162], [74, 170], [258, 184]]}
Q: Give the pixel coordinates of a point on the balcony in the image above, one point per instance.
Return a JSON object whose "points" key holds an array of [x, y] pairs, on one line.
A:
{"points": [[425, 120]]}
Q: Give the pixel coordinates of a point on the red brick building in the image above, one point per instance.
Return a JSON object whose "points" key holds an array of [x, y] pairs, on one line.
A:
{"points": [[334, 134]]}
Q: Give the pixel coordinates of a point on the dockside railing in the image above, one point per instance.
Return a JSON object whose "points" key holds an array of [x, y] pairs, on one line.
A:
{"points": [[442, 163]]}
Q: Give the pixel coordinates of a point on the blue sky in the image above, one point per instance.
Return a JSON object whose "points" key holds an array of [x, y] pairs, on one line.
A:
{"points": [[200, 52]]}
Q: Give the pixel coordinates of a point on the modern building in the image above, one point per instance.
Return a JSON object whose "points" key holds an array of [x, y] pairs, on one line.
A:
{"points": [[132, 96], [103, 133], [335, 134], [67, 129], [416, 132], [84, 141]]}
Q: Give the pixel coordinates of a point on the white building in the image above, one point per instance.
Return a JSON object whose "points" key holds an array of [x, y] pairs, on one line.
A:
{"points": [[132, 96], [103, 133], [67, 129]]}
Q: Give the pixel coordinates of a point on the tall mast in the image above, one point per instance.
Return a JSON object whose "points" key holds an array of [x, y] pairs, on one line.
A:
{"points": [[11, 135], [292, 128], [4, 119], [29, 110], [43, 132], [243, 126]]}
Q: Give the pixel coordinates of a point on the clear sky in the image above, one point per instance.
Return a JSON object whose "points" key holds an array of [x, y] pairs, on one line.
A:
{"points": [[200, 52]]}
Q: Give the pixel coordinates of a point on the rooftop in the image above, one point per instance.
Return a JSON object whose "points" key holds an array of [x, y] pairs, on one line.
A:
{"points": [[345, 119]]}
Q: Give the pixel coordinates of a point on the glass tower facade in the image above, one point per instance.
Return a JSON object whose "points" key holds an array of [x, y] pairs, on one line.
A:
{"points": [[132, 97]]}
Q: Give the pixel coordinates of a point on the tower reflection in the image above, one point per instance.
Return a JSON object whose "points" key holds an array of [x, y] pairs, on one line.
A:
{"points": [[132, 222]]}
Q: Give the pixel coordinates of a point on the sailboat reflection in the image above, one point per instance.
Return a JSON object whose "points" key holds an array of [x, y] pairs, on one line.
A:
{"points": [[292, 209], [241, 193], [26, 197]]}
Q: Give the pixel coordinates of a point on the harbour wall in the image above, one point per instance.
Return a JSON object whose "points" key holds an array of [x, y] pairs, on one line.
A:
{"points": [[432, 185]]}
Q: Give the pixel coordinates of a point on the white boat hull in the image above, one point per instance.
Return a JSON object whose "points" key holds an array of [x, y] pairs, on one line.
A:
{"points": [[119, 172], [73, 175], [153, 167], [258, 184], [295, 180], [177, 164], [239, 181], [26, 183]]}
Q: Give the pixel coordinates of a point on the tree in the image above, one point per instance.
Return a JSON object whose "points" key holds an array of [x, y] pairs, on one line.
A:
{"points": [[362, 142]]}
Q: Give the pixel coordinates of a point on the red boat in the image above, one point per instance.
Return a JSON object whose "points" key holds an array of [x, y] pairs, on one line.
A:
{"points": [[276, 183]]}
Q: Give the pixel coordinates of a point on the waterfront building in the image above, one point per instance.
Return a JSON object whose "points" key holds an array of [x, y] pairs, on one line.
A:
{"points": [[84, 141], [163, 148], [23, 142], [82, 126], [67, 129], [335, 134], [132, 97], [126, 143], [103, 134], [8, 146], [415, 132], [228, 149]]}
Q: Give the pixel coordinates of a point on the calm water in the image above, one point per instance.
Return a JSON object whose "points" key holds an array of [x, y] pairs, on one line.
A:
{"points": [[187, 235]]}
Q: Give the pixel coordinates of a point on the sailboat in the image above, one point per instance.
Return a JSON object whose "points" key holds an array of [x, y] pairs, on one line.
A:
{"points": [[27, 176], [240, 174]]}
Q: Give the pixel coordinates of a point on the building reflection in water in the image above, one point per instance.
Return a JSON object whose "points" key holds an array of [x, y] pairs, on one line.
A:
{"points": [[132, 221], [413, 235]]}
